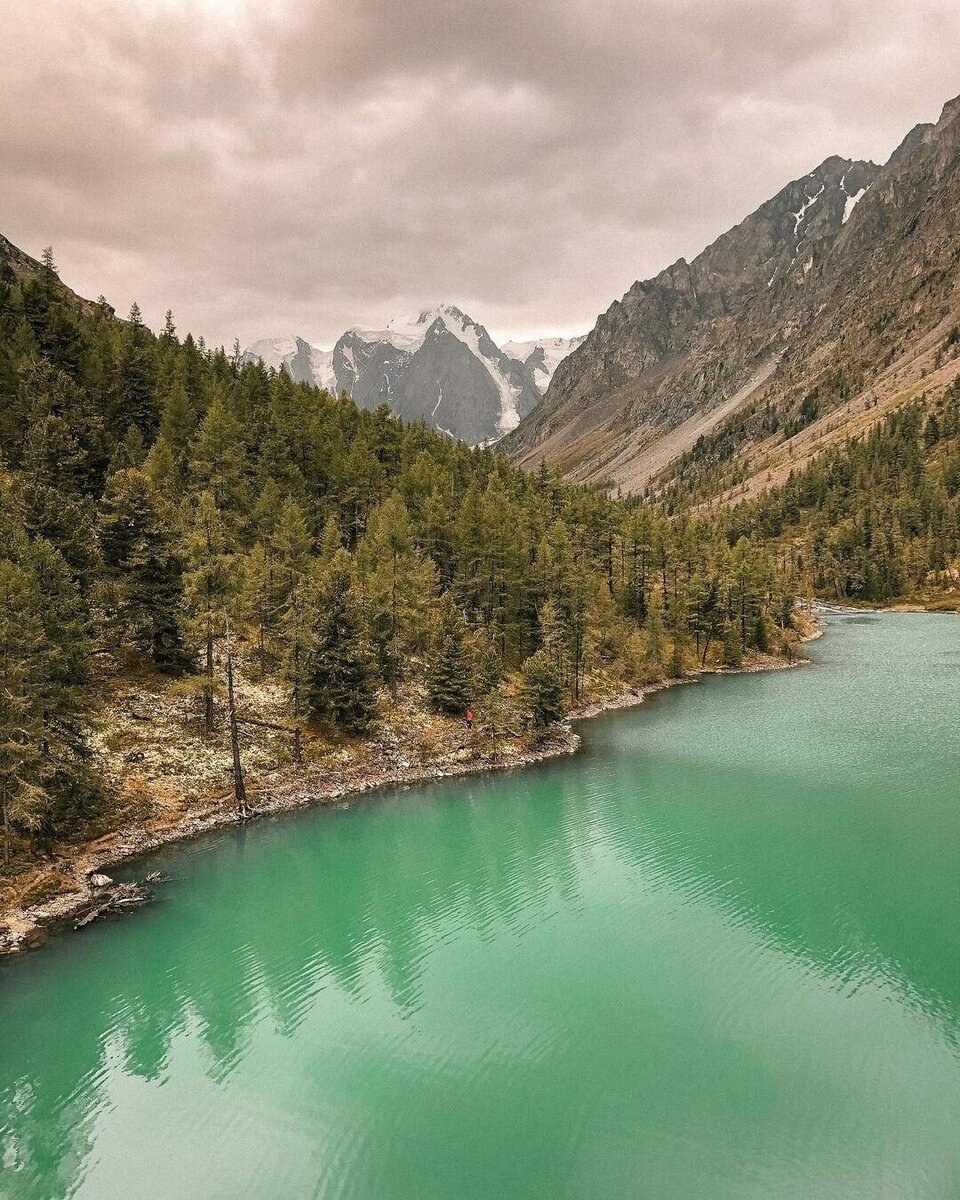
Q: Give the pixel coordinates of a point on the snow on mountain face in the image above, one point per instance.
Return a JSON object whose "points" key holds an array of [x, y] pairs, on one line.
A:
{"points": [[439, 366], [305, 363], [542, 356]]}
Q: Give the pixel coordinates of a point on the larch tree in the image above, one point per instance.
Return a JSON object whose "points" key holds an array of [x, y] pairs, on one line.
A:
{"points": [[398, 586], [206, 584]]}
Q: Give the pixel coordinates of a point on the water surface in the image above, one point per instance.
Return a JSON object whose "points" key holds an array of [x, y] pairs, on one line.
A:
{"points": [[713, 956]]}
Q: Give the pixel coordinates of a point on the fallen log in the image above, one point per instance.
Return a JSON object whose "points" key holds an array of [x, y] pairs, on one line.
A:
{"points": [[120, 897]]}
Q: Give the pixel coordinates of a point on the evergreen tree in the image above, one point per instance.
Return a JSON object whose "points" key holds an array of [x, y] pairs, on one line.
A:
{"points": [[448, 670], [542, 688], [135, 399], [137, 552], [339, 683]]}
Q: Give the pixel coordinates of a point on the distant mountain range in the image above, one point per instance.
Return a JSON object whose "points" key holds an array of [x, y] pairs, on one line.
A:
{"points": [[440, 366], [829, 305]]}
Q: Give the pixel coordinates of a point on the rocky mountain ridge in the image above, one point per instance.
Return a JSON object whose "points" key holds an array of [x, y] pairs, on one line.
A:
{"points": [[779, 321]]}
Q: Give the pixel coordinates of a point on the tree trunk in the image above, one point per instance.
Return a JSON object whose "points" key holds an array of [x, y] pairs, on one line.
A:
{"points": [[239, 790], [208, 686]]}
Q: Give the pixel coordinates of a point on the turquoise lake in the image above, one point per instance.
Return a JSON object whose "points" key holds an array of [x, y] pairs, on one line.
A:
{"points": [[714, 956]]}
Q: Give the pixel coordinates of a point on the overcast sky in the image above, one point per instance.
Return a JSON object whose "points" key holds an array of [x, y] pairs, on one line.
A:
{"points": [[300, 166]]}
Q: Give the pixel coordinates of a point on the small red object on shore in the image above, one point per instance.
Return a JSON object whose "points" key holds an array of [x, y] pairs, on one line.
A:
{"points": [[469, 719]]}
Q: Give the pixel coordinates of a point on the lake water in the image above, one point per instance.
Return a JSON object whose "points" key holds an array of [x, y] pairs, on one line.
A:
{"points": [[715, 956]]}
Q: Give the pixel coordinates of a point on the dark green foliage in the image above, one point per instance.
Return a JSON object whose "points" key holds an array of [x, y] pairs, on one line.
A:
{"points": [[138, 558], [45, 785], [448, 671], [542, 688], [877, 517], [339, 684]]}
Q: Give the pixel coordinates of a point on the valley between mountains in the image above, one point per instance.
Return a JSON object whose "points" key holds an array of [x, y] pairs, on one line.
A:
{"points": [[224, 577]]}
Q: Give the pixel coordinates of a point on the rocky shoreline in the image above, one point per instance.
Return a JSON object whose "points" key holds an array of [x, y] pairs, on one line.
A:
{"points": [[23, 928]]}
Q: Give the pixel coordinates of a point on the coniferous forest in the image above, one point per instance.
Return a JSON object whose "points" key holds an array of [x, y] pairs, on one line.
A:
{"points": [[878, 517], [172, 512]]}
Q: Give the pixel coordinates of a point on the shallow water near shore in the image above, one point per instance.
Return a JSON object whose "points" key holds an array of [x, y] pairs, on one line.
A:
{"points": [[713, 955]]}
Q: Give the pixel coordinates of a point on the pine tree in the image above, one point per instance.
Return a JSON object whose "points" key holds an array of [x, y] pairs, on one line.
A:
{"points": [[448, 669], [136, 380], [339, 683], [137, 553]]}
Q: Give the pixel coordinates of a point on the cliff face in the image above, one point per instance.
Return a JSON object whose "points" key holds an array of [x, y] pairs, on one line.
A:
{"points": [[832, 274]]}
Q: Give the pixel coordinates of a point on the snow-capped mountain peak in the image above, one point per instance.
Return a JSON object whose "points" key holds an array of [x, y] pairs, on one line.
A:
{"points": [[438, 365], [305, 363]]}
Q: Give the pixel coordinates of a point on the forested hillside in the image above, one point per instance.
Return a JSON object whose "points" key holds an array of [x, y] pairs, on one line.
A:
{"points": [[877, 518], [178, 523]]}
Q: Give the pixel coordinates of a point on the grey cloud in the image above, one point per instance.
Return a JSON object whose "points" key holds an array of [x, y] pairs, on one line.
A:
{"points": [[298, 166]]}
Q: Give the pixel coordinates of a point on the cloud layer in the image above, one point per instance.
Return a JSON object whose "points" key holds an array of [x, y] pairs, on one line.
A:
{"points": [[300, 166]]}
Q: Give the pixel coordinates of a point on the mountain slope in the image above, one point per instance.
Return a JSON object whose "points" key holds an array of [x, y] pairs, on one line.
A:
{"points": [[675, 345], [804, 307], [879, 330]]}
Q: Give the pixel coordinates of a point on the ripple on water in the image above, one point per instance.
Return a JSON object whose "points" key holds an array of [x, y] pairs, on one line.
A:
{"points": [[714, 955]]}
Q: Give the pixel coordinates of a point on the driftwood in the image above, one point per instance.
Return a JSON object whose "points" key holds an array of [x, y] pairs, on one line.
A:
{"points": [[118, 898], [115, 898]]}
